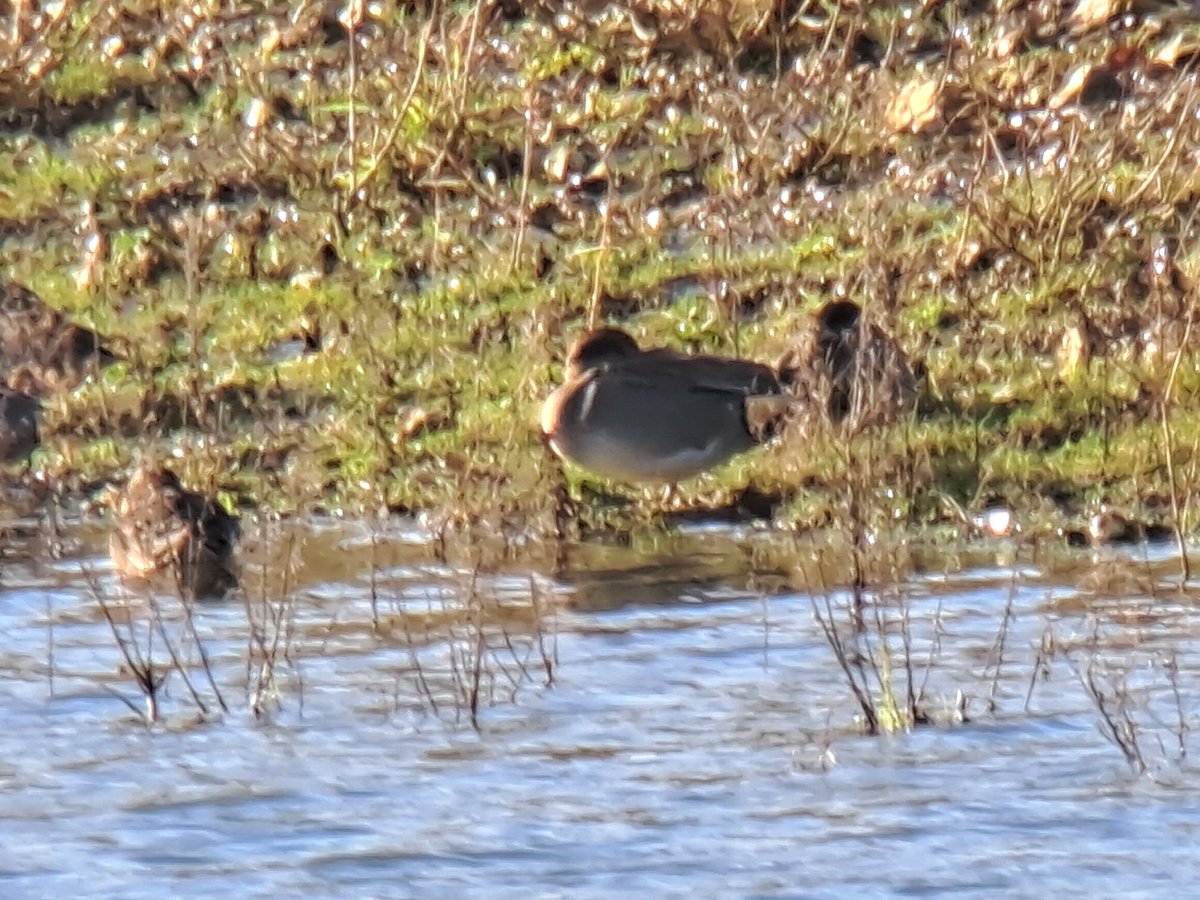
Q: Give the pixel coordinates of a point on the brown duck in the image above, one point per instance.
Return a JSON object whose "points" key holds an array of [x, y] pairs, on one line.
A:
{"points": [[40, 349], [160, 527], [850, 371], [639, 415]]}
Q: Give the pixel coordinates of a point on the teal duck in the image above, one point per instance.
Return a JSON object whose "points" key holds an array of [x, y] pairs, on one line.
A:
{"points": [[160, 527], [637, 415], [850, 371]]}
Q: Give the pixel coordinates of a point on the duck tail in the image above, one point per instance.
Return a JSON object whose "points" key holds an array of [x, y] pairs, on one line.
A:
{"points": [[766, 415]]}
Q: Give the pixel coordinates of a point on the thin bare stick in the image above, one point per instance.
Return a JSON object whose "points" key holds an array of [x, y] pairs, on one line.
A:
{"points": [[526, 175], [1168, 448]]}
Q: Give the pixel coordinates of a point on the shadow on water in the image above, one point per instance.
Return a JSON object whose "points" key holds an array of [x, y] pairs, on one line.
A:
{"points": [[411, 714]]}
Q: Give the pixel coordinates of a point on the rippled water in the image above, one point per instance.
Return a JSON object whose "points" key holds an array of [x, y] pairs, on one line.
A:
{"points": [[661, 721]]}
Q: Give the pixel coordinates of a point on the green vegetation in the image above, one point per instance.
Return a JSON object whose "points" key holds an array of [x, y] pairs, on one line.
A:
{"points": [[341, 250]]}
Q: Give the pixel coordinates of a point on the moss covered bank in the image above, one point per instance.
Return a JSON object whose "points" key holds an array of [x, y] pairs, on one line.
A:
{"points": [[340, 249]]}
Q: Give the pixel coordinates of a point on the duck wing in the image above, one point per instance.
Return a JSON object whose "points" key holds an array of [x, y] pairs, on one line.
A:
{"points": [[706, 373]]}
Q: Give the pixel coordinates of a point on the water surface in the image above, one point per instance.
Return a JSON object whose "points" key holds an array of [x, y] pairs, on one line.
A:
{"points": [[666, 721]]}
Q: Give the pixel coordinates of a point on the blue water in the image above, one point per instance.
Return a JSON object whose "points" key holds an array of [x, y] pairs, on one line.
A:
{"points": [[645, 727]]}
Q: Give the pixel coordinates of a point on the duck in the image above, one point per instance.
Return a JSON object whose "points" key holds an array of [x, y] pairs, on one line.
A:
{"points": [[850, 371], [656, 415], [40, 349], [1108, 526], [159, 527], [20, 417]]}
